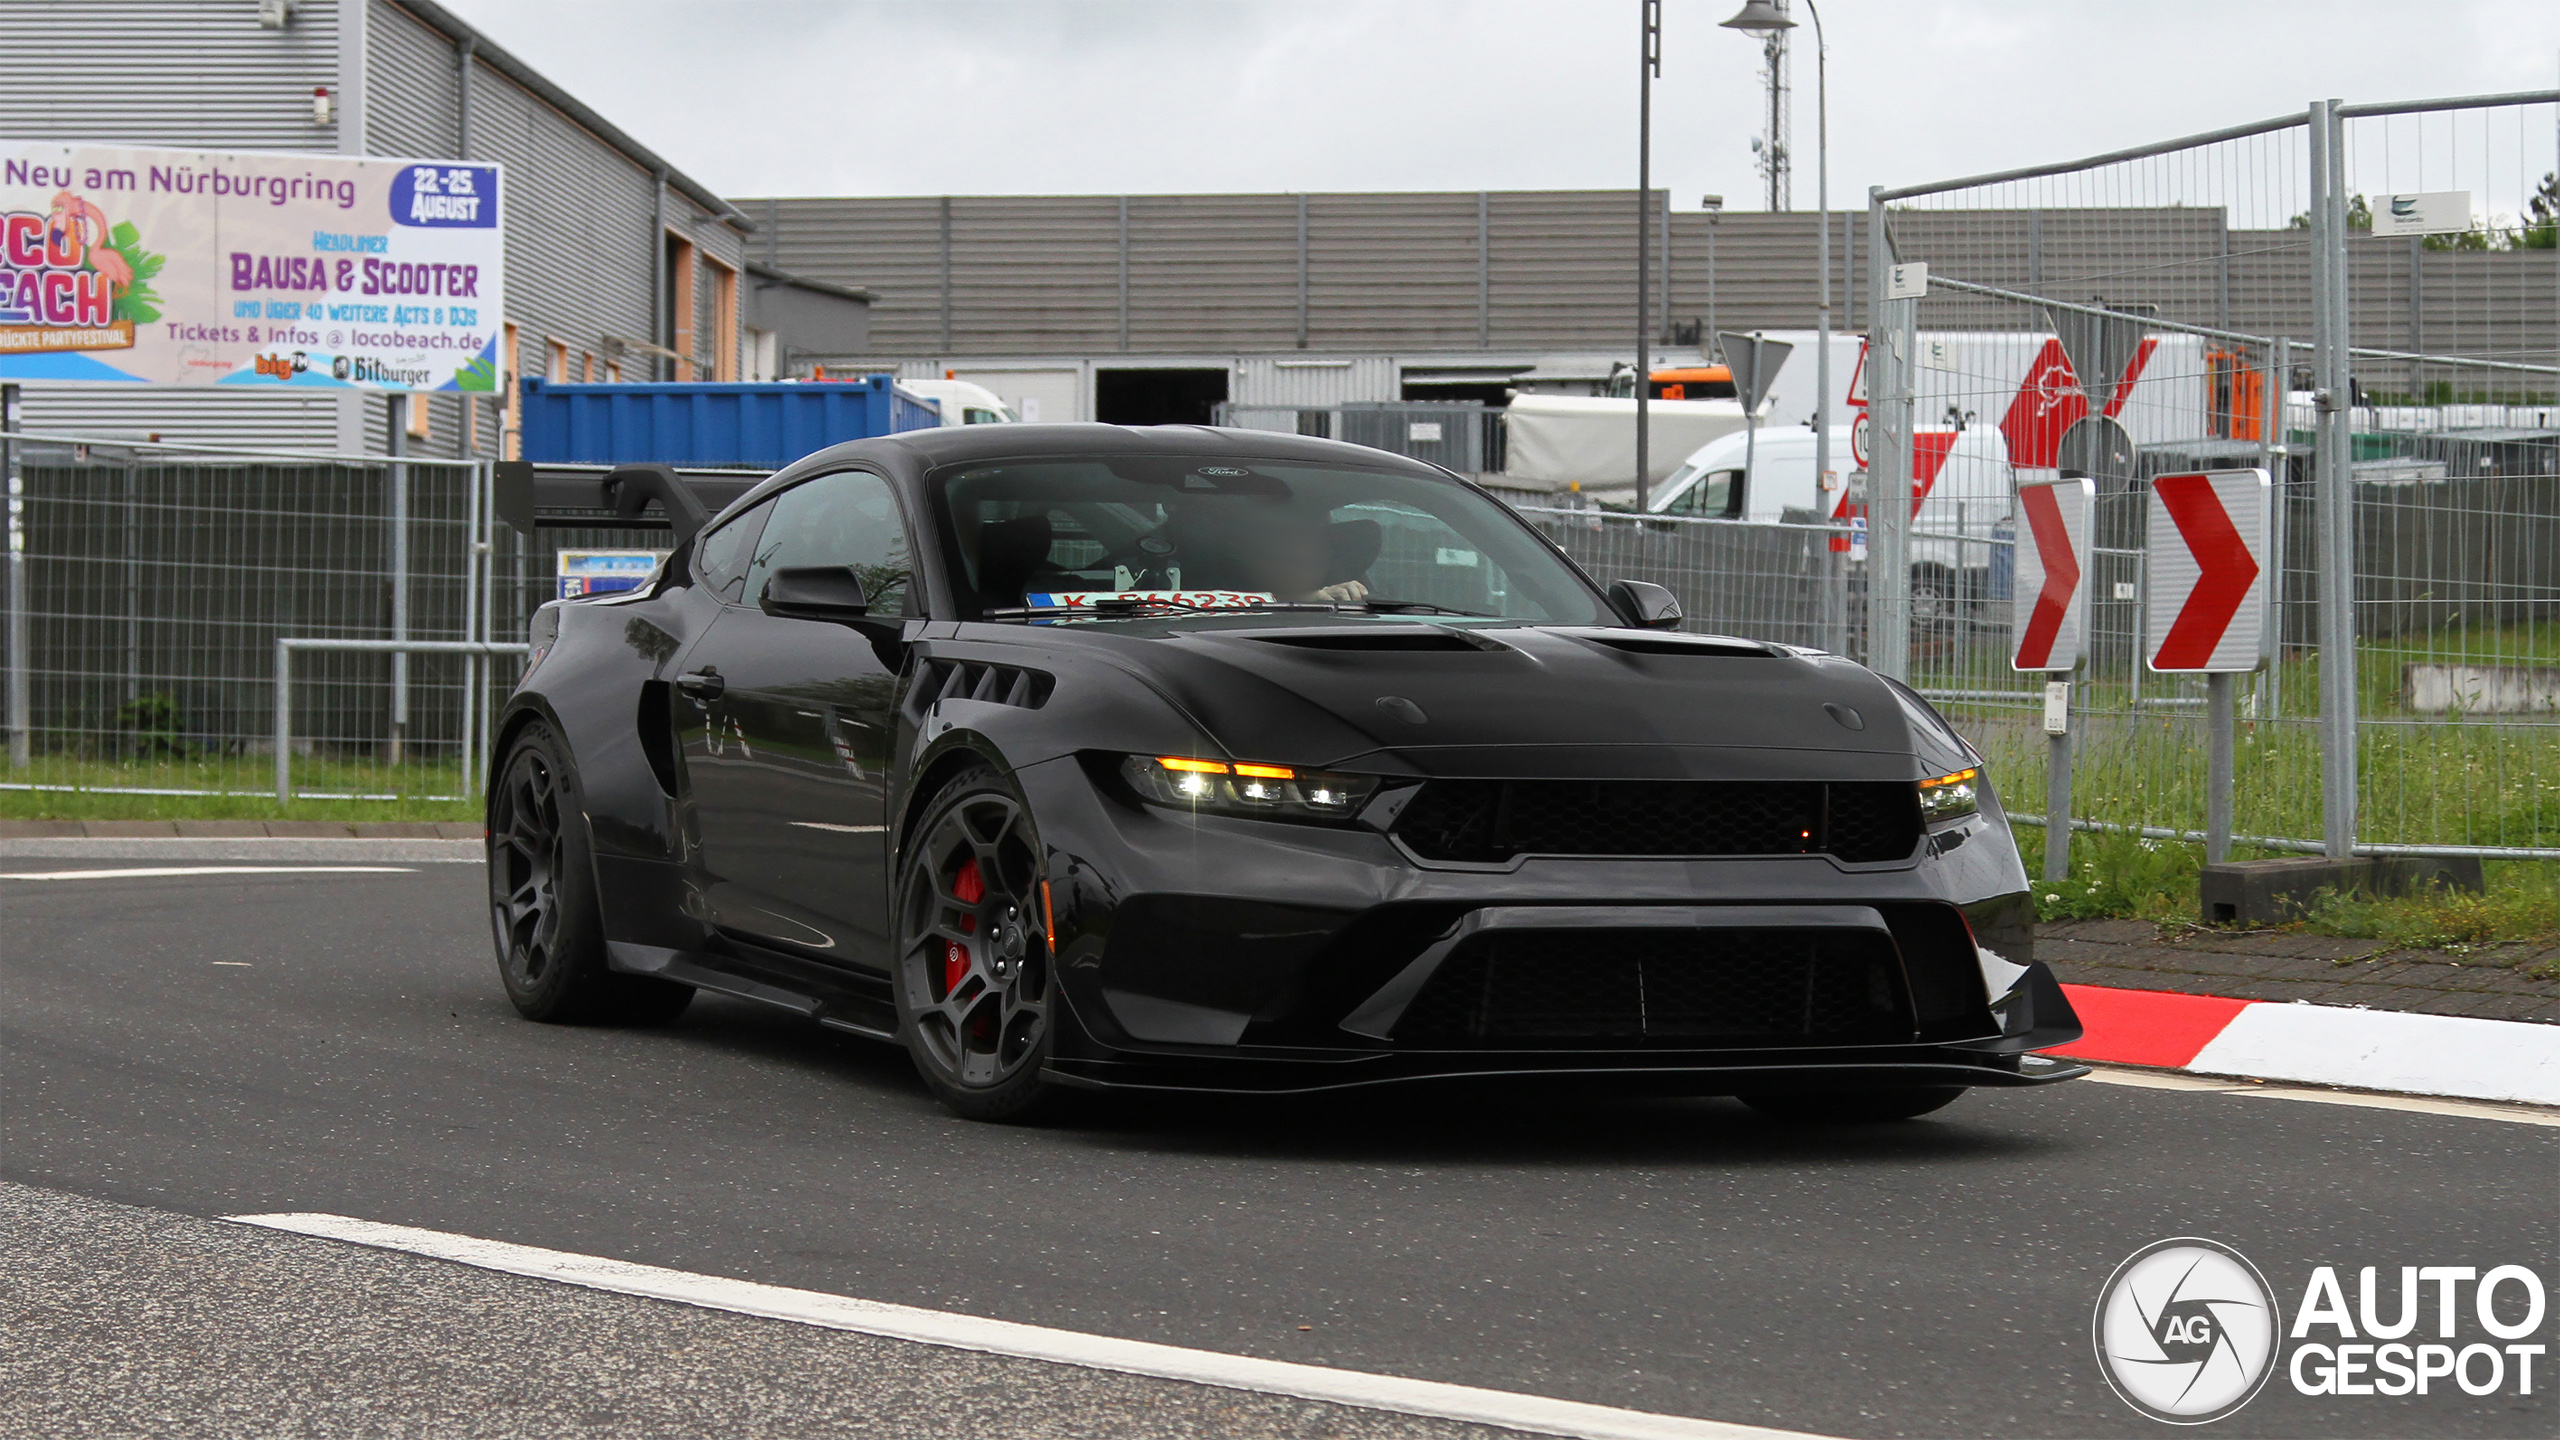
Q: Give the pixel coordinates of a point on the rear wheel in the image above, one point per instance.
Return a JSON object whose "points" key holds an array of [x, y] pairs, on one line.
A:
{"points": [[1838, 1107], [542, 900], [976, 989]]}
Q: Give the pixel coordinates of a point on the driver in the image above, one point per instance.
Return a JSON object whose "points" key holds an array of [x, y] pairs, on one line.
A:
{"points": [[1285, 549]]}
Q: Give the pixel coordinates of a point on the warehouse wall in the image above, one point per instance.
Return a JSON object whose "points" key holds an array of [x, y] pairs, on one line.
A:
{"points": [[1539, 272]]}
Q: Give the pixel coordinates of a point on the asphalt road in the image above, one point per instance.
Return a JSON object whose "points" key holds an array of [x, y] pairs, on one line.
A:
{"points": [[338, 1043]]}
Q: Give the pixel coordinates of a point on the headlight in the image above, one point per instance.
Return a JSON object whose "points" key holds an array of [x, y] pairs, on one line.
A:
{"points": [[1949, 796], [1271, 792]]}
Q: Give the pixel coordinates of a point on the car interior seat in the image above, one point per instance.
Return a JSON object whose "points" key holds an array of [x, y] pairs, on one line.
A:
{"points": [[1010, 552]]}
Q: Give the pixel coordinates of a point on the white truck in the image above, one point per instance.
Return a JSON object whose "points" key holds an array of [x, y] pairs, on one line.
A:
{"points": [[1992, 408]]}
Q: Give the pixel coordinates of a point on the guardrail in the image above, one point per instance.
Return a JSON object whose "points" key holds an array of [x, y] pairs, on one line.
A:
{"points": [[471, 719]]}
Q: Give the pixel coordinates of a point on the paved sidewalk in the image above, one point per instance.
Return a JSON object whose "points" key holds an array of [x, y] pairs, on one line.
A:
{"points": [[2491, 982]]}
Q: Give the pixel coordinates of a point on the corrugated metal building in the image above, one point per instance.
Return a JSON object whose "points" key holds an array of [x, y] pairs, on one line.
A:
{"points": [[1141, 305], [1144, 306], [616, 263]]}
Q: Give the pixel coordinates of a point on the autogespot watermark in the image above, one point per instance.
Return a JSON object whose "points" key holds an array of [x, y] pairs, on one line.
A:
{"points": [[2188, 1331]]}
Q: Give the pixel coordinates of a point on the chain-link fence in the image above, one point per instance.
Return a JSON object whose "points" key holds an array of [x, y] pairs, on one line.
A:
{"points": [[2238, 301], [1461, 434], [148, 586]]}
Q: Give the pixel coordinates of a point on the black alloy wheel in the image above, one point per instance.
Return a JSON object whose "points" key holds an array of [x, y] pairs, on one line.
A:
{"points": [[976, 985], [542, 900]]}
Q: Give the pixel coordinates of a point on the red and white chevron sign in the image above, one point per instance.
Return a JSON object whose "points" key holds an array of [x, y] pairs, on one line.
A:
{"points": [[2052, 591], [2208, 582]]}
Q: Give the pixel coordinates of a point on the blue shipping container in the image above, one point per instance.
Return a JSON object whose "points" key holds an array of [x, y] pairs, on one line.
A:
{"points": [[763, 427]]}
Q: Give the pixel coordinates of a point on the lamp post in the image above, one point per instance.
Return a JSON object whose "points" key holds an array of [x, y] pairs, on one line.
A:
{"points": [[1761, 17], [1714, 206], [1645, 73]]}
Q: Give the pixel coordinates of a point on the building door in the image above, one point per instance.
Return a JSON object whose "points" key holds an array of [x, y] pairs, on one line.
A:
{"points": [[1049, 397], [1157, 397]]}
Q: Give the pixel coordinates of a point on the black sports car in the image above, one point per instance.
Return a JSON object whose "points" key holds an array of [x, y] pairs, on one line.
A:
{"points": [[1205, 759]]}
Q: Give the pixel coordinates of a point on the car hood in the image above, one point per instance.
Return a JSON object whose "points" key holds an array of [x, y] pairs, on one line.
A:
{"points": [[1464, 699]]}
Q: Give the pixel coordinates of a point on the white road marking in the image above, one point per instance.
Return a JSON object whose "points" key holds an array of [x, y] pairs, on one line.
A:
{"points": [[243, 964], [1534, 1413], [2421, 1104], [164, 871], [842, 829]]}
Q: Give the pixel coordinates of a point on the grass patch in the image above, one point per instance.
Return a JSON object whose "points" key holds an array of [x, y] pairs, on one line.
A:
{"points": [[2521, 904], [2115, 877], [2125, 877], [62, 787]]}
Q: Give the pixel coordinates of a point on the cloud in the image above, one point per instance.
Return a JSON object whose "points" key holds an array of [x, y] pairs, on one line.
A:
{"points": [[1110, 96]]}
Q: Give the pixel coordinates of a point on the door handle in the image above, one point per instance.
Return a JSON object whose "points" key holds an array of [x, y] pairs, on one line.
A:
{"points": [[704, 684]]}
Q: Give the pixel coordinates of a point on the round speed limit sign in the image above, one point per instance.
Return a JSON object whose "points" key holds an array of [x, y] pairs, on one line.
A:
{"points": [[1858, 439]]}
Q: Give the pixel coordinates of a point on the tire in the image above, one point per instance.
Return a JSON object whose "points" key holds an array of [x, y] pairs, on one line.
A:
{"points": [[976, 985], [1849, 1107], [542, 900]]}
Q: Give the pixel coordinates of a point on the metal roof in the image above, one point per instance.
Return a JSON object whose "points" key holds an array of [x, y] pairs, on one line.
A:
{"points": [[453, 27]]}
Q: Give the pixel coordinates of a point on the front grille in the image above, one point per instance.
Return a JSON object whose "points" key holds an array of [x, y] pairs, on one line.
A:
{"points": [[1490, 821], [1719, 988]]}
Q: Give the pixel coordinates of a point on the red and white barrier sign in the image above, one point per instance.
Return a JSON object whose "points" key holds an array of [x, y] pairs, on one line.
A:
{"points": [[2207, 609], [2052, 593]]}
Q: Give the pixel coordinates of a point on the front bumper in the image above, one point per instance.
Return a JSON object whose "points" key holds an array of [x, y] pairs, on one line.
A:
{"points": [[1207, 954]]}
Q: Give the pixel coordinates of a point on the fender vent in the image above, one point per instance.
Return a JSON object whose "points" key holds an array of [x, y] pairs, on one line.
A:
{"points": [[940, 680]]}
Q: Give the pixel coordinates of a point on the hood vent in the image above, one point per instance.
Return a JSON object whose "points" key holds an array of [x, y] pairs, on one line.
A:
{"points": [[1708, 647], [1422, 639]]}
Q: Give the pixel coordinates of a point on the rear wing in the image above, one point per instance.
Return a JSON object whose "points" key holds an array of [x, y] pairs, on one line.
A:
{"points": [[631, 497]]}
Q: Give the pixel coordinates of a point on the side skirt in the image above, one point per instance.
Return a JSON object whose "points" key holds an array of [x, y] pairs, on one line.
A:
{"points": [[858, 1004]]}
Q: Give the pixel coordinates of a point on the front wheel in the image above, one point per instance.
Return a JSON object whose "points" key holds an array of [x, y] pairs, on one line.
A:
{"points": [[977, 990], [1843, 1107], [542, 899]]}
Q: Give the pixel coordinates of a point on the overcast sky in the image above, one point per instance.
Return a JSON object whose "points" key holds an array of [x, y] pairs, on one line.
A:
{"points": [[929, 97]]}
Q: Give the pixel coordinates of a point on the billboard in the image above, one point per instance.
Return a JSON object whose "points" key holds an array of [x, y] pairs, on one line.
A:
{"points": [[199, 267]]}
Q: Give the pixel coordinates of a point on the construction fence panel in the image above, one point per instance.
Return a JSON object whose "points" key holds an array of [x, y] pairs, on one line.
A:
{"points": [[157, 582], [2238, 301]]}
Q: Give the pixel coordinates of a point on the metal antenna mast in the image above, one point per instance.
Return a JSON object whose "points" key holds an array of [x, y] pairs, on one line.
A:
{"points": [[1775, 151]]}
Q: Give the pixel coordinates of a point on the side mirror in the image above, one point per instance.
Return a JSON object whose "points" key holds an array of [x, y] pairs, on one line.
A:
{"points": [[816, 592], [1645, 605]]}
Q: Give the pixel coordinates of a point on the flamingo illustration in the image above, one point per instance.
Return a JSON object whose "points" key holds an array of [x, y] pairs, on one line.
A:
{"points": [[81, 227]]}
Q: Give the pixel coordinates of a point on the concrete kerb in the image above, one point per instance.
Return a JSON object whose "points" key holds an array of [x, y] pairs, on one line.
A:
{"points": [[315, 841]]}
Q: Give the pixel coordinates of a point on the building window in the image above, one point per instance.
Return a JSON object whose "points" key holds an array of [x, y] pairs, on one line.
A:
{"points": [[556, 366], [724, 322], [510, 413], [682, 276], [587, 367], [419, 417]]}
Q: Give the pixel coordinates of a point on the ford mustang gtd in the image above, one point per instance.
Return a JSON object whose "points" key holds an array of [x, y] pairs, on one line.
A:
{"points": [[1072, 756]]}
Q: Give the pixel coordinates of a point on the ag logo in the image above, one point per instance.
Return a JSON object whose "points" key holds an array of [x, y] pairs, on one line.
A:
{"points": [[2186, 1331]]}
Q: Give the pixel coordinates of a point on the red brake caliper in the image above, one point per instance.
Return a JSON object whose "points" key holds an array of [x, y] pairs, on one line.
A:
{"points": [[968, 888]]}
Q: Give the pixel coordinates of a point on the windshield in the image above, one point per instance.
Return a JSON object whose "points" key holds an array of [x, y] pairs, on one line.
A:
{"points": [[1223, 533]]}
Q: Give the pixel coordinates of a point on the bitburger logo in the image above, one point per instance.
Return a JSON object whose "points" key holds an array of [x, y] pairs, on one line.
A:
{"points": [[2187, 1331]]}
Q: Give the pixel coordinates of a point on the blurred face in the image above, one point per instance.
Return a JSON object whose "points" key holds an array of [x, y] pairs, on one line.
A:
{"points": [[1288, 555]]}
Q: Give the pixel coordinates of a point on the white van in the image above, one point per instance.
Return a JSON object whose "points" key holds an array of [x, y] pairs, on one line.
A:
{"points": [[963, 402], [1959, 482]]}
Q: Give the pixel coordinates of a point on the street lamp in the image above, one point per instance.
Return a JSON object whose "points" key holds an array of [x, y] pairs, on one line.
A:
{"points": [[1646, 72], [1714, 206], [1763, 18]]}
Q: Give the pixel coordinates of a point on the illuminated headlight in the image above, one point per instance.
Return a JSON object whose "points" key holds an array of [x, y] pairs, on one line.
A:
{"points": [[1244, 787], [1949, 796]]}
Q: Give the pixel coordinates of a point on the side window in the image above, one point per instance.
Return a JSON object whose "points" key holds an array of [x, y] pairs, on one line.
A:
{"points": [[848, 518], [721, 557], [1718, 492]]}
